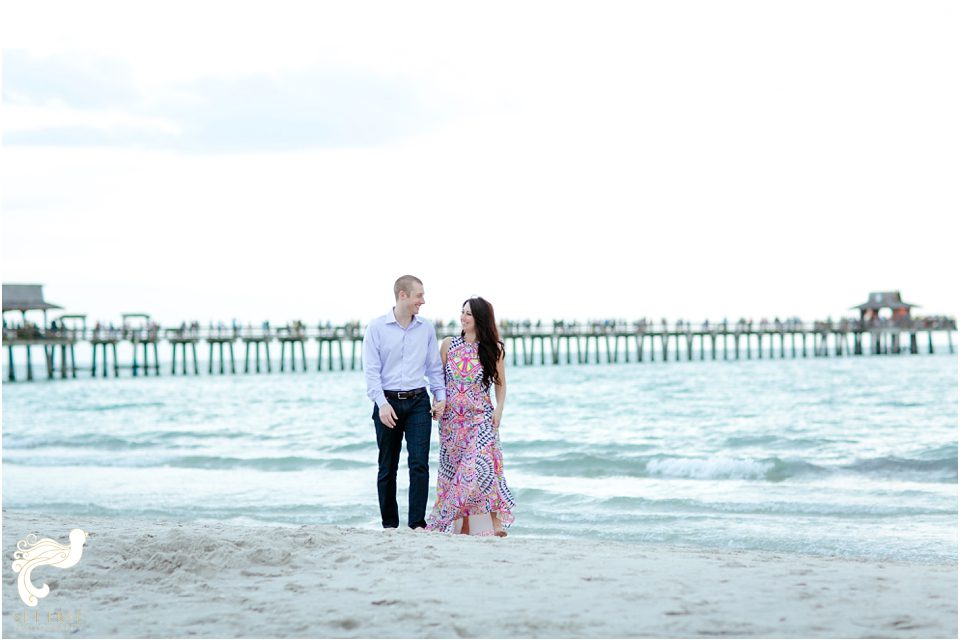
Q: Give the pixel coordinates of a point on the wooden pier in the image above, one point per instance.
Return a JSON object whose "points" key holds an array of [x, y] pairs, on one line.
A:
{"points": [[615, 345], [526, 344]]}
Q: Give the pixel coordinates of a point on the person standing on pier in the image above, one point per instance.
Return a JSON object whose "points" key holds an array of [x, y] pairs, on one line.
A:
{"points": [[400, 352]]}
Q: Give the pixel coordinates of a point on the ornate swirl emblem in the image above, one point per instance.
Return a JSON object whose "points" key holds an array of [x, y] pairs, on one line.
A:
{"points": [[33, 552]]}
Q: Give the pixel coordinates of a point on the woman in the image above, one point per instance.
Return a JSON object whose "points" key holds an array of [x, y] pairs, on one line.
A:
{"points": [[472, 494]]}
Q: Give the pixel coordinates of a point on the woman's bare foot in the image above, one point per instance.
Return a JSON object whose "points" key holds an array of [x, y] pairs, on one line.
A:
{"points": [[497, 527]]}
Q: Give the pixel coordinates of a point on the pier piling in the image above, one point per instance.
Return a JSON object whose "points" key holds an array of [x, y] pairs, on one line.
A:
{"points": [[182, 344]]}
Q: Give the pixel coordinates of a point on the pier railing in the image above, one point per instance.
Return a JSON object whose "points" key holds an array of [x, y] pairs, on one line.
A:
{"points": [[508, 329]]}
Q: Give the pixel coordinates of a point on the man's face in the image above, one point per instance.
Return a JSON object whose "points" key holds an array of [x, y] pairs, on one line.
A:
{"points": [[414, 299]]}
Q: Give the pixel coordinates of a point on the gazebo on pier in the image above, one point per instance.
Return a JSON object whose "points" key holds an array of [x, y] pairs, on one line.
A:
{"points": [[883, 330], [26, 298], [23, 299], [870, 310]]}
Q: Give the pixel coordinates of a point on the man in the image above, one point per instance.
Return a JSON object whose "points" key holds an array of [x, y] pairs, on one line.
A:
{"points": [[399, 352]]}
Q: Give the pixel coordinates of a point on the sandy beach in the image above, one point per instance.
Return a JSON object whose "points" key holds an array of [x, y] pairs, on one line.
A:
{"points": [[147, 578]]}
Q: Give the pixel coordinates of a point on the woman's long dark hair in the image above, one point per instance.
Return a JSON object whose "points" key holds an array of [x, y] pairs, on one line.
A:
{"points": [[490, 346]]}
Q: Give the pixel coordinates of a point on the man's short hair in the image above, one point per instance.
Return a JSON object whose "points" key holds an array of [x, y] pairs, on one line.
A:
{"points": [[405, 284]]}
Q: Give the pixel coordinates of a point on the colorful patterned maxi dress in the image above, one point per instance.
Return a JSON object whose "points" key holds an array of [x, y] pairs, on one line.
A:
{"points": [[470, 480]]}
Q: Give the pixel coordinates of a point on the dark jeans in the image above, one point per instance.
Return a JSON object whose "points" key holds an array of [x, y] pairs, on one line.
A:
{"points": [[414, 423]]}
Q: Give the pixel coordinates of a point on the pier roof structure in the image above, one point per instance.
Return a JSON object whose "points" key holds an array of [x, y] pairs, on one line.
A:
{"points": [[884, 300], [24, 298], [870, 310]]}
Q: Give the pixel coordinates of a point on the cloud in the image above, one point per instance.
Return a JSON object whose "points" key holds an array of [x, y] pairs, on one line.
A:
{"points": [[79, 101], [77, 81], [310, 109]]}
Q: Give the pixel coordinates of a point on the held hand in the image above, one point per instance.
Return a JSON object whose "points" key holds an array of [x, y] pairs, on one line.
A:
{"points": [[387, 416], [497, 413], [437, 411]]}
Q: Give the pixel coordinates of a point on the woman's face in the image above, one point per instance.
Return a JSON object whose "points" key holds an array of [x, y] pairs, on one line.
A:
{"points": [[466, 318]]}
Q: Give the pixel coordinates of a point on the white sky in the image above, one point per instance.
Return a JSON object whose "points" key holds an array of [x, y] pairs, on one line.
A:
{"points": [[564, 160]]}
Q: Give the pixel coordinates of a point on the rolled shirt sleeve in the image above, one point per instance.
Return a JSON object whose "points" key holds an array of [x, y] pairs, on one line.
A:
{"points": [[434, 367]]}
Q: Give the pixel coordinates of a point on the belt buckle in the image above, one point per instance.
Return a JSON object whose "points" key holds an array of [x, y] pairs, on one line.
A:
{"points": [[402, 396]]}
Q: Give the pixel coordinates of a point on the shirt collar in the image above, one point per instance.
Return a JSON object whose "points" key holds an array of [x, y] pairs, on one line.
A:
{"points": [[390, 318]]}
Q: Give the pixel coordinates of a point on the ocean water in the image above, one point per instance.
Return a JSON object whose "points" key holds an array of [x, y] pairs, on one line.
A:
{"points": [[852, 457]]}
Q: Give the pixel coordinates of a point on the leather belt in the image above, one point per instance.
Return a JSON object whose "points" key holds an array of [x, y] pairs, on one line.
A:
{"points": [[404, 395]]}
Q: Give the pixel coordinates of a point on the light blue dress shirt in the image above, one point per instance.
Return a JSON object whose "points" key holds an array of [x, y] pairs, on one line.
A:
{"points": [[401, 359]]}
